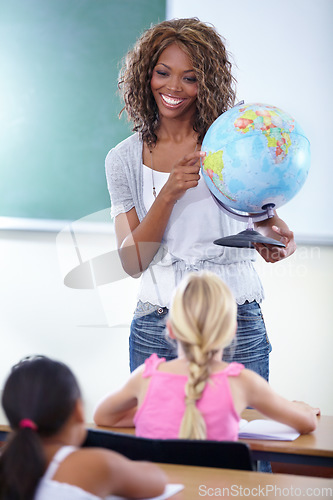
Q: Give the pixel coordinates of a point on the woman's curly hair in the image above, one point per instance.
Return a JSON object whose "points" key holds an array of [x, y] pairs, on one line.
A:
{"points": [[209, 57]]}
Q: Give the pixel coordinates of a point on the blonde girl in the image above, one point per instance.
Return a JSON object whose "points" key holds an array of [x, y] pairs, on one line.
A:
{"points": [[198, 396]]}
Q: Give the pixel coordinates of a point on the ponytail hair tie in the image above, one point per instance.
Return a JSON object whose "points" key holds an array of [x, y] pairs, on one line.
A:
{"points": [[26, 423]]}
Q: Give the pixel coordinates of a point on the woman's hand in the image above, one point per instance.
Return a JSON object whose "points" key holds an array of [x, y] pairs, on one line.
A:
{"points": [[184, 175], [277, 229], [271, 253]]}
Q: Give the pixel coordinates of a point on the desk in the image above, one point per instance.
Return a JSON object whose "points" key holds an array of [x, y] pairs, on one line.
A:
{"points": [[315, 449], [201, 482]]}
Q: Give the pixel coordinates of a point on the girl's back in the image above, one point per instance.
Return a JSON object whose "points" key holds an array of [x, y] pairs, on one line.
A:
{"points": [[162, 403], [50, 489]]}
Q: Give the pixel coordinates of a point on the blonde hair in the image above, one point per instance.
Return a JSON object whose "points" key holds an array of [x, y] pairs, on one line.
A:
{"points": [[203, 318]]}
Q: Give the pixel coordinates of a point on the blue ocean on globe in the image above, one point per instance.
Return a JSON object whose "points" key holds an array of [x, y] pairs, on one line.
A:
{"points": [[256, 154]]}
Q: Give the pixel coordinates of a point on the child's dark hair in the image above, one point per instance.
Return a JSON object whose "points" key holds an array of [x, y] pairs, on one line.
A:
{"points": [[38, 398]]}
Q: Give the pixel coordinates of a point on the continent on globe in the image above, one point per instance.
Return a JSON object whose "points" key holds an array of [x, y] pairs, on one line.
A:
{"points": [[271, 124], [214, 166]]}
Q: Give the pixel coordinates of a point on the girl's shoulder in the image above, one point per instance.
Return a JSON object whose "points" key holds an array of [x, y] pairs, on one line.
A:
{"points": [[234, 369], [91, 469], [250, 381], [221, 368], [95, 461], [84, 458], [151, 365]]}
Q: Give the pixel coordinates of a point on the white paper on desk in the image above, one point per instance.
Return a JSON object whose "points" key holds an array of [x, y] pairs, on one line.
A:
{"points": [[170, 490], [266, 429]]}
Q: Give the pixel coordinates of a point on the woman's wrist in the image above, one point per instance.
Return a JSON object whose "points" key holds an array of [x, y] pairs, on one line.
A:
{"points": [[165, 196]]}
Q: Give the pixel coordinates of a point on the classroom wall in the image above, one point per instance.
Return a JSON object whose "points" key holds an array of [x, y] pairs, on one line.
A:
{"points": [[88, 329]]}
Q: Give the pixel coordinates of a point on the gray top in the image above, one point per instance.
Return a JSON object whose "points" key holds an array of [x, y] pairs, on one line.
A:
{"points": [[124, 172]]}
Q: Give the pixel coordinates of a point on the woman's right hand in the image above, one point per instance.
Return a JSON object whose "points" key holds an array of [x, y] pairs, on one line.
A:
{"points": [[184, 175]]}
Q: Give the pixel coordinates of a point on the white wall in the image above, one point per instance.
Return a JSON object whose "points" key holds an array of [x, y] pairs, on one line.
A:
{"points": [[298, 316], [39, 315], [88, 329], [282, 53]]}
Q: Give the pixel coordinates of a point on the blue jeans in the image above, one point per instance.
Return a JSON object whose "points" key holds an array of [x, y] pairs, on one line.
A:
{"points": [[148, 335], [250, 346]]}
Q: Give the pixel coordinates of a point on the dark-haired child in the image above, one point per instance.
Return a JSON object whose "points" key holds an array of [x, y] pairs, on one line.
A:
{"points": [[43, 459]]}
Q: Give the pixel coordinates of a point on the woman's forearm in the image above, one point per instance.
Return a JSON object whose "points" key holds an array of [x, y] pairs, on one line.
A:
{"points": [[143, 239]]}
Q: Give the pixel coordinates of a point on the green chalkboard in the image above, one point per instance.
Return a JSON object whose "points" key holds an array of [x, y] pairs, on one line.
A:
{"points": [[59, 62]]}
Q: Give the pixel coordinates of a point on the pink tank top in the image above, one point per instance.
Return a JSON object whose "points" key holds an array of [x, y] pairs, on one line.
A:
{"points": [[163, 407]]}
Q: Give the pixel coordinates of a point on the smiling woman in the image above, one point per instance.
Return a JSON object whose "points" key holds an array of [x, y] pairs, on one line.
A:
{"points": [[175, 82]]}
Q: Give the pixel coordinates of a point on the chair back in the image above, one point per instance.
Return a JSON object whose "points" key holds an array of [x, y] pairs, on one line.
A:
{"points": [[221, 454]]}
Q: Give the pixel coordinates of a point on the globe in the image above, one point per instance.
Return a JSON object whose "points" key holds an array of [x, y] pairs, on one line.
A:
{"points": [[256, 155]]}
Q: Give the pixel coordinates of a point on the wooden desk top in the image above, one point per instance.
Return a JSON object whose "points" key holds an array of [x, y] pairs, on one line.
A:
{"points": [[318, 443], [207, 482]]}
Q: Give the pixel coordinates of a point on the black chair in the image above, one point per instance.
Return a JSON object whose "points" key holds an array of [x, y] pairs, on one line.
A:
{"points": [[221, 454]]}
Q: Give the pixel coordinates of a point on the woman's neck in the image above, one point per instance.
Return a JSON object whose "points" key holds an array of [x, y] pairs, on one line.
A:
{"points": [[176, 131]]}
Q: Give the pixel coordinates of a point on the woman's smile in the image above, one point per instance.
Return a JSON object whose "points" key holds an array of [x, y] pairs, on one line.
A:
{"points": [[171, 101]]}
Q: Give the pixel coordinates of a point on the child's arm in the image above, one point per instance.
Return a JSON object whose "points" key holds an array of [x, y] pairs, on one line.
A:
{"points": [[261, 396], [104, 472], [118, 408], [135, 479]]}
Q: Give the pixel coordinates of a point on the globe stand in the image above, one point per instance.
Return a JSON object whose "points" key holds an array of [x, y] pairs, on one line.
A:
{"points": [[245, 239]]}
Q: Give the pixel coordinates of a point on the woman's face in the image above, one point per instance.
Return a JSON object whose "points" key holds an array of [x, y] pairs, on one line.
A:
{"points": [[174, 84]]}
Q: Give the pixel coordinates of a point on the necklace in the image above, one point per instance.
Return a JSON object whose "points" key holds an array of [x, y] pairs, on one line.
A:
{"points": [[152, 173], [152, 170]]}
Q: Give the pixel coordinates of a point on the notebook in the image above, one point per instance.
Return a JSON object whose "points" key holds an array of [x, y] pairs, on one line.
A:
{"points": [[266, 429], [170, 490]]}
